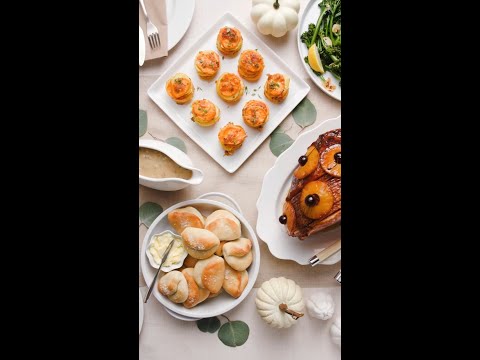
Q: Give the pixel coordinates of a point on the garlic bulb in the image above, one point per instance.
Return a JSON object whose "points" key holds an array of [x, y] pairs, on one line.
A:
{"points": [[321, 305]]}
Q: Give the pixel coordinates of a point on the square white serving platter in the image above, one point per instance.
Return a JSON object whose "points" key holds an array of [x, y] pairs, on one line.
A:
{"points": [[206, 137]]}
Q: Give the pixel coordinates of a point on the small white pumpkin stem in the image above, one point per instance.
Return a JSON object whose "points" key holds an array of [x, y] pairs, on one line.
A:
{"points": [[295, 315], [276, 5]]}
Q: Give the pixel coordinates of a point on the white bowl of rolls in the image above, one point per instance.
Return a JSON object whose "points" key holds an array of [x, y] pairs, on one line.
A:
{"points": [[222, 263]]}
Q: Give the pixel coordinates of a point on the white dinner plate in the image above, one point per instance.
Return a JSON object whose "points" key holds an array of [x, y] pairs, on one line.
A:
{"points": [[141, 47], [310, 15], [206, 137], [275, 187], [140, 312], [179, 14], [178, 316]]}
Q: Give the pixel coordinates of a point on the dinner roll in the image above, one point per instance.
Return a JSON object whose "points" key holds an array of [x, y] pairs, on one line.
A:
{"points": [[195, 294], [200, 243], [190, 261], [238, 253], [219, 250], [174, 285], [209, 273], [223, 224], [212, 295], [234, 281], [182, 218]]}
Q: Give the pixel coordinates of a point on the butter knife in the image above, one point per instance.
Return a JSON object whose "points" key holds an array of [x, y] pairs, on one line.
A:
{"points": [[164, 257]]}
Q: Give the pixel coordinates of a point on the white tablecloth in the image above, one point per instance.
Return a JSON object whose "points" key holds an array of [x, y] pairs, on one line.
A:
{"points": [[164, 337]]}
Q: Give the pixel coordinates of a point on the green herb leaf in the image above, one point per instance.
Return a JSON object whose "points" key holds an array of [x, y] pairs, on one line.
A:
{"points": [[208, 324], [142, 122], [234, 333], [278, 129], [305, 113], [178, 143], [148, 212], [279, 142]]}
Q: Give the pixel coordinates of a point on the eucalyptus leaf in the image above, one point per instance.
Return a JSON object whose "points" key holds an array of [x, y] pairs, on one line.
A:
{"points": [[233, 333], [279, 142], [304, 113], [178, 143], [142, 122], [208, 324], [278, 129], [149, 212]]}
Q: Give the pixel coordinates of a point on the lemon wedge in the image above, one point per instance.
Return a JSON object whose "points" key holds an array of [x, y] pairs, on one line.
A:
{"points": [[314, 59]]}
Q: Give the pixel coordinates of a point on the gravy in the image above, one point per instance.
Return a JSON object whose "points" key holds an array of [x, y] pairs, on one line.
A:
{"points": [[154, 164]]}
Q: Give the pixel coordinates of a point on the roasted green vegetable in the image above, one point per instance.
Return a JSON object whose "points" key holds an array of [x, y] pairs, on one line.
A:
{"points": [[326, 33]]}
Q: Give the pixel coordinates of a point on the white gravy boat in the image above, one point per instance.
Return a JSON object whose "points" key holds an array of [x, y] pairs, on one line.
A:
{"points": [[180, 158]]}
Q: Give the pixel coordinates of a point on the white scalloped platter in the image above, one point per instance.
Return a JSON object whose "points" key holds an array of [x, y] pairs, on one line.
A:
{"points": [[276, 184]]}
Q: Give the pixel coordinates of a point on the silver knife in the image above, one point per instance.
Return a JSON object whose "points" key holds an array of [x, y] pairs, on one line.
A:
{"points": [[164, 257]]}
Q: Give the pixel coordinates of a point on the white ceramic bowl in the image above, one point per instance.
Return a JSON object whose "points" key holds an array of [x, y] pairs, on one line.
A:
{"points": [[152, 260], [178, 156], [223, 302]]}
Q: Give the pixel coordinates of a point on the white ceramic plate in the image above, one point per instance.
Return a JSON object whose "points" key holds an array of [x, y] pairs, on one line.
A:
{"points": [[310, 15], [206, 137], [276, 184], [180, 14], [141, 47], [223, 302], [140, 312], [180, 317]]}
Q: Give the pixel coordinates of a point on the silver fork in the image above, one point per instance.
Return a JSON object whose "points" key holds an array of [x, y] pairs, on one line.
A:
{"points": [[152, 31]]}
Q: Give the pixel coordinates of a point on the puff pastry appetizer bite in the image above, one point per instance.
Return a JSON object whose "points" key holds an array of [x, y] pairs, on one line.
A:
{"points": [[207, 64], [255, 114], [231, 137], [180, 88], [230, 87], [205, 113], [250, 65], [229, 40], [276, 87]]}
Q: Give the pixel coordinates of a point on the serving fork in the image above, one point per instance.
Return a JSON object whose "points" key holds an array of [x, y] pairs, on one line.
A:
{"points": [[152, 31]]}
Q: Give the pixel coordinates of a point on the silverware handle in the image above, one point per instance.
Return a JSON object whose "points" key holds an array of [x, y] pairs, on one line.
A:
{"points": [[150, 288], [325, 253], [338, 277], [143, 8], [164, 257]]}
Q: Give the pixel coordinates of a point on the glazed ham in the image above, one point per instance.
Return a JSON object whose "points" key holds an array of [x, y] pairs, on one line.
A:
{"points": [[314, 200]]}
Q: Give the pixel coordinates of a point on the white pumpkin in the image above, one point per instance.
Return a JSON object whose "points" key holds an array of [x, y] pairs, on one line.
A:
{"points": [[321, 306], [336, 332], [275, 17], [280, 302]]}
